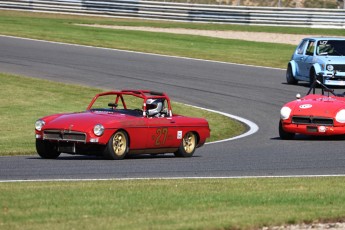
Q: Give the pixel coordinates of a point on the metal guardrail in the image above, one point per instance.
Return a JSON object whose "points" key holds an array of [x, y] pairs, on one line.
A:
{"points": [[273, 16]]}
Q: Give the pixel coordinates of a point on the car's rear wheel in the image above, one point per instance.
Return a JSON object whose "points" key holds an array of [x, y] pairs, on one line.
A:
{"points": [[117, 147], [289, 76], [187, 146], [46, 149], [283, 134]]}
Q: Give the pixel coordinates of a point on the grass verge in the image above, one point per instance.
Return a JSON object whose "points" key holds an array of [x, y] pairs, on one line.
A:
{"points": [[171, 204], [24, 100]]}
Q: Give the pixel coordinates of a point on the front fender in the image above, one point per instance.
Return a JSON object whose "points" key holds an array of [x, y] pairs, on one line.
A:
{"points": [[317, 68], [294, 67]]}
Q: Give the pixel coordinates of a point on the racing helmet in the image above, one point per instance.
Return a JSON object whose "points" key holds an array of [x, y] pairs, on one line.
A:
{"points": [[154, 106]]}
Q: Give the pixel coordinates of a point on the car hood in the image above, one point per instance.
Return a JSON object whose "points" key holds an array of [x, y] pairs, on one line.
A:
{"points": [[333, 59], [318, 106], [87, 120]]}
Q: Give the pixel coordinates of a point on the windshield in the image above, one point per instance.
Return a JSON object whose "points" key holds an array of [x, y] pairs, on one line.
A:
{"points": [[330, 48], [130, 105]]}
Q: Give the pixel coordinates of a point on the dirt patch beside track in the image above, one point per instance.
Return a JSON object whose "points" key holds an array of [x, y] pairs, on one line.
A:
{"points": [[292, 39]]}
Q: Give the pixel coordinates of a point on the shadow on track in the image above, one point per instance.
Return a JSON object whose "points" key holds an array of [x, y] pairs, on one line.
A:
{"points": [[96, 158], [300, 137]]}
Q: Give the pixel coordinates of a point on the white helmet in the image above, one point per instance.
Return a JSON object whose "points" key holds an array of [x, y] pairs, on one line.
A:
{"points": [[154, 106]]}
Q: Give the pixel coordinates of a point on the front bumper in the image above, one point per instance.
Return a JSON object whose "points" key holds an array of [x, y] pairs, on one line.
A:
{"points": [[336, 79], [314, 130], [78, 137]]}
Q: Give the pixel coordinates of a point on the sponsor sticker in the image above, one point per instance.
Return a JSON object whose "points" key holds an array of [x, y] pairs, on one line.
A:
{"points": [[179, 134], [305, 106], [322, 129]]}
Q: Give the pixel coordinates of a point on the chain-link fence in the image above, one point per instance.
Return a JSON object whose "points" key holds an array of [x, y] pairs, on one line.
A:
{"points": [[328, 4]]}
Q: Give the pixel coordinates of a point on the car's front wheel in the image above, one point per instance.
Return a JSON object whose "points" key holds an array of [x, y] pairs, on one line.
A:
{"points": [[283, 134], [117, 147], [289, 76], [47, 150], [314, 76], [187, 146]]}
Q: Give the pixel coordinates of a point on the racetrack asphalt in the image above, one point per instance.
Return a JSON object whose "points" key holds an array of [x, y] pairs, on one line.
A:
{"points": [[254, 93]]}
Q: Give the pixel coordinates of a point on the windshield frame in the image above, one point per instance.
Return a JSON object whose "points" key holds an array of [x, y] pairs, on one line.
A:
{"points": [[143, 94]]}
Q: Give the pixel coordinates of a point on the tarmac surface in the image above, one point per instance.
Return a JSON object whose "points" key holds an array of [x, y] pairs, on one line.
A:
{"points": [[254, 93]]}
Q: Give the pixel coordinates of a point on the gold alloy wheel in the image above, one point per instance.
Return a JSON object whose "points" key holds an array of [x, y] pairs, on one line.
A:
{"points": [[119, 143], [189, 142]]}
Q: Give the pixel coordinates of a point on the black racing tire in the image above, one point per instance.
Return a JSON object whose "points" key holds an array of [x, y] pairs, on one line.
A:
{"points": [[283, 134], [289, 76], [320, 78], [46, 149], [314, 76], [187, 146], [117, 147]]}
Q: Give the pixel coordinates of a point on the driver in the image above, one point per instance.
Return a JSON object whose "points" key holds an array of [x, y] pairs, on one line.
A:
{"points": [[155, 107]]}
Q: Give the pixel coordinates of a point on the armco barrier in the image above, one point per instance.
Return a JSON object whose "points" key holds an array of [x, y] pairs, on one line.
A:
{"points": [[274, 16]]}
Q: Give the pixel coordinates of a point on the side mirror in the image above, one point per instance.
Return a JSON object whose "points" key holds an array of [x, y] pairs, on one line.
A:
{"points": [[113, 105]]}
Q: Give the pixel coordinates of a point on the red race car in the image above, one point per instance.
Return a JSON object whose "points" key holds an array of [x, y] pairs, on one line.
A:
{"points": [[118, 123], [315, 114]]}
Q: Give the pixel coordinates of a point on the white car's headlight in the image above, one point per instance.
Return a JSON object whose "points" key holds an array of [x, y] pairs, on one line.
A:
{"points": [[330, 67], [98, 130], [39, 125], [285, 113], [340, 117]]}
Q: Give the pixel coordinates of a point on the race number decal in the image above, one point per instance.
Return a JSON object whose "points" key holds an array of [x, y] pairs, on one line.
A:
{"points": [[305, 106], [161, 132]]}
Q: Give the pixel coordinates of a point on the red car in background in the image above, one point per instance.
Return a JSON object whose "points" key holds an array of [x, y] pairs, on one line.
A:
{"points": [[315, 114], [118, 123]]}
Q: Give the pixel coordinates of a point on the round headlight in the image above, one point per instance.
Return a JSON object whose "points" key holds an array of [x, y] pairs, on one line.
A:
{"points": [[39, 125], [285, 113], [330, 67], [98, 130], [340, 117]]}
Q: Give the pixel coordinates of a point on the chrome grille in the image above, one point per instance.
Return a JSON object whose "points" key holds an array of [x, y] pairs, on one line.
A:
{"points": [[64, 135], [312, 120]]}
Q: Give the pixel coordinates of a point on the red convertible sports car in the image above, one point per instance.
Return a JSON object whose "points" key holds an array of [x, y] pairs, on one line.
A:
{"points": [[315, 114], [118, 123]]}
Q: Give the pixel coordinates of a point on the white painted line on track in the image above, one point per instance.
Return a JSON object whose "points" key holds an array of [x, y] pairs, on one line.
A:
{"points": [[253, 128], [173, 178], [138, 52]]}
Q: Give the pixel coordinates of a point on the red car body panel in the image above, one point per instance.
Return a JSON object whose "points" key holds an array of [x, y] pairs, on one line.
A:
{"points": [[146, 134], [315, 114]]}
